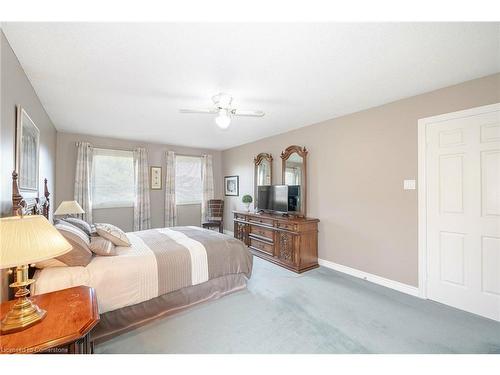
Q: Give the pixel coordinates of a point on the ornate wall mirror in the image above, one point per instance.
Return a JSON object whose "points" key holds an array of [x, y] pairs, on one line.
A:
{"points": [[263, 171], [294, 174]]}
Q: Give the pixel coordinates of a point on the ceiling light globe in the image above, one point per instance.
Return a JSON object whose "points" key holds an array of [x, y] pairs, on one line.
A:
{"points": [[223, 120]]}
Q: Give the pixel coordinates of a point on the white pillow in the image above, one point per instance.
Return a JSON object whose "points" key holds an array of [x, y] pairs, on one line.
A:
{"points": [[112, 233]]}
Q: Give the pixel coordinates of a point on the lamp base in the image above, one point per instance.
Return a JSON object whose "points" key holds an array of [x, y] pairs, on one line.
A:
{"points": [[23, 313]]}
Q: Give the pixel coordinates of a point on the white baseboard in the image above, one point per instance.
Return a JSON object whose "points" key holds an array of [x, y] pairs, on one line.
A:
{"points": [[228, 232], [396, 285]]}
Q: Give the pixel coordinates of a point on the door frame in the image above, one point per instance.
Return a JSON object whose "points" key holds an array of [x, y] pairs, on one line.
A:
{"points": [[422, 185]]}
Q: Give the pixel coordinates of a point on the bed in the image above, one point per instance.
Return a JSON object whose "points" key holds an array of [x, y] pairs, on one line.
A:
{"points": [[165, 270]]}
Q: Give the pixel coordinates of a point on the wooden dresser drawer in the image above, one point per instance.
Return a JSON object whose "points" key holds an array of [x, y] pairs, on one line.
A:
{"points": [[262, 220], [287, 226], [289, 241], [239, 216], [262, 246], [262, 232]]}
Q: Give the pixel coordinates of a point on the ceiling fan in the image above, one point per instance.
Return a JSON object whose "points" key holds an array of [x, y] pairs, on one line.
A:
{"points": [[224, 111]]}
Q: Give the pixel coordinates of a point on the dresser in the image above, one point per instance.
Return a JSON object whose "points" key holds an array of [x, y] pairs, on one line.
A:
{"points": [[290, 242]]}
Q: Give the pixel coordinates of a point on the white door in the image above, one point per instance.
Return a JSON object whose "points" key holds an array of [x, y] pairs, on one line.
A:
{"points": [[463, 210]]}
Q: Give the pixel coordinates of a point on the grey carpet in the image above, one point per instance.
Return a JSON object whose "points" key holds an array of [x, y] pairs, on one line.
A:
{"points": [[321, 311]]}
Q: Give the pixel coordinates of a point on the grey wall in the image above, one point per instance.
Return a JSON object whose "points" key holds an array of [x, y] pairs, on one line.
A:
{"points": [[17, 90], [123, 217], [356, 167]]}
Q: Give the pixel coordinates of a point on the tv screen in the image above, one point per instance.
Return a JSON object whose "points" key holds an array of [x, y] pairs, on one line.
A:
{"points": [[273, 198], [294, 198], [264, 196], [280, 198]]}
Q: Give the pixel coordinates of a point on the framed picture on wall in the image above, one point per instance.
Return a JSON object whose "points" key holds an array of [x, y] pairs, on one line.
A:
{"points": [[155, 178], [232, 186], [27, 151]]}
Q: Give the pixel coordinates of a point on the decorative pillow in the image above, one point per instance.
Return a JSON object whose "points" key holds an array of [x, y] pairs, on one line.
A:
{"points": [[102, 246], [80, 255], [112, 233], [79, 223]]}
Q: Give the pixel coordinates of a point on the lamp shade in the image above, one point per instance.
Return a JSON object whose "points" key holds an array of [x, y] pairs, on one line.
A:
{"points": [[29, 239], [69, 208]]}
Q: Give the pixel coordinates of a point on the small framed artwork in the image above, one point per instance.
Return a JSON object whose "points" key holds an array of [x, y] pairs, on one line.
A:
{"points": [[155, 178], [27, 151], [232, 186]]}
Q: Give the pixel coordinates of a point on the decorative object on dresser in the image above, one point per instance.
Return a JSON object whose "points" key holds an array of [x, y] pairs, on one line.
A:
{"points": [[27, 151], [232, 186], [247, 200], [71, 315], [26, 240], [263, 169], [215, 215], [294, 173], [67, 208], [156, 180], [291, 242], [263, 173]]}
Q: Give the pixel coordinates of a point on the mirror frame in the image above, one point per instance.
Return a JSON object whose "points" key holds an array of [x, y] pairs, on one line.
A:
{"points": [[257, 162], [302, 152]]}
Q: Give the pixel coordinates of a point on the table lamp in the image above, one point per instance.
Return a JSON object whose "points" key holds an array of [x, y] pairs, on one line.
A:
{"points": [[69, 208], [25, 240]]}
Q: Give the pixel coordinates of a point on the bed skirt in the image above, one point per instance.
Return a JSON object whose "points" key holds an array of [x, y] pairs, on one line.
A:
{"points": [[114, 323]]}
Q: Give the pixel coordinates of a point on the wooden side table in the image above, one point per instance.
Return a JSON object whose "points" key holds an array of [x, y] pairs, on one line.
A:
{"points": [[71, 315]]}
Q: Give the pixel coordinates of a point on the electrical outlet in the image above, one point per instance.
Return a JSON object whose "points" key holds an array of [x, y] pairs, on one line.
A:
{"points": [[409, 185]]}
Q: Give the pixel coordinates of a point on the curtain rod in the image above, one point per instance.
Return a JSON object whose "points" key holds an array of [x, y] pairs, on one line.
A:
{"points": [[114, 148], [132, 150]]}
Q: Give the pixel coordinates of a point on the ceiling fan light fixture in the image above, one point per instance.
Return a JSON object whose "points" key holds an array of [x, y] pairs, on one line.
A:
{"points": [[224, 110], [223, 120]]}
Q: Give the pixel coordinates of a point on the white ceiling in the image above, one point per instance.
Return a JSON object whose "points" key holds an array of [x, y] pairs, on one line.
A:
{"points": [[129, 80]]}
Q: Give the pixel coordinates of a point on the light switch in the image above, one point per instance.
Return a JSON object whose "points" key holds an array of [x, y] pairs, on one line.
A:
{"points": [[409, 185]]}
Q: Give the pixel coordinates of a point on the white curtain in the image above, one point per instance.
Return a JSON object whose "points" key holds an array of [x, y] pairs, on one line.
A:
{"points": [[207, 179], [142, 208], [170, 205], [83, 179]]}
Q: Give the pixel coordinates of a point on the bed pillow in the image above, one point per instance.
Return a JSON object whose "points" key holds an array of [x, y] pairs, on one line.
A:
{"points": [[79, 223], [102, 246], [80, 255], [112, 233]]}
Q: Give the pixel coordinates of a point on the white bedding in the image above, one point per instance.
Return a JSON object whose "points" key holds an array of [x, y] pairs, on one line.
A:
{"points": [[159, 261], [128, 278]]}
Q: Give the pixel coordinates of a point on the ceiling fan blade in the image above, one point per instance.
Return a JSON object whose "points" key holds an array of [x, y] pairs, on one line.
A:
{"points": [[199, 110], [239, 112]]}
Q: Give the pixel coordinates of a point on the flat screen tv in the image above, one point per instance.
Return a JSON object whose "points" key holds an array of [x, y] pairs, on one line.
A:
{"points": [[278, 198]]}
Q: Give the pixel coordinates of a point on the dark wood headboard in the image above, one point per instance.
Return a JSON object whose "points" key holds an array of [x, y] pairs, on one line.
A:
{"points": [[30, 205]]}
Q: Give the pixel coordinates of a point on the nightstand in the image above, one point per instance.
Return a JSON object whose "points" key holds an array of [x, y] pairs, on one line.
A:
{"points": [[71, 314]]}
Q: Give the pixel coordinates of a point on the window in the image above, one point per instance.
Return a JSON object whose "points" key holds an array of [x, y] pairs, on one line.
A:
{"points": [[188, 188], [113, 178]]}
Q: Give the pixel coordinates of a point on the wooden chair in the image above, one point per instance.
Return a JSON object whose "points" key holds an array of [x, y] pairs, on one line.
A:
{"points": [[215, 215]]}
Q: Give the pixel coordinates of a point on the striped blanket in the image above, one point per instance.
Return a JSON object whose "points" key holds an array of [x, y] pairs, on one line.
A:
{"points": [[188, 256], [159, 261]]}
